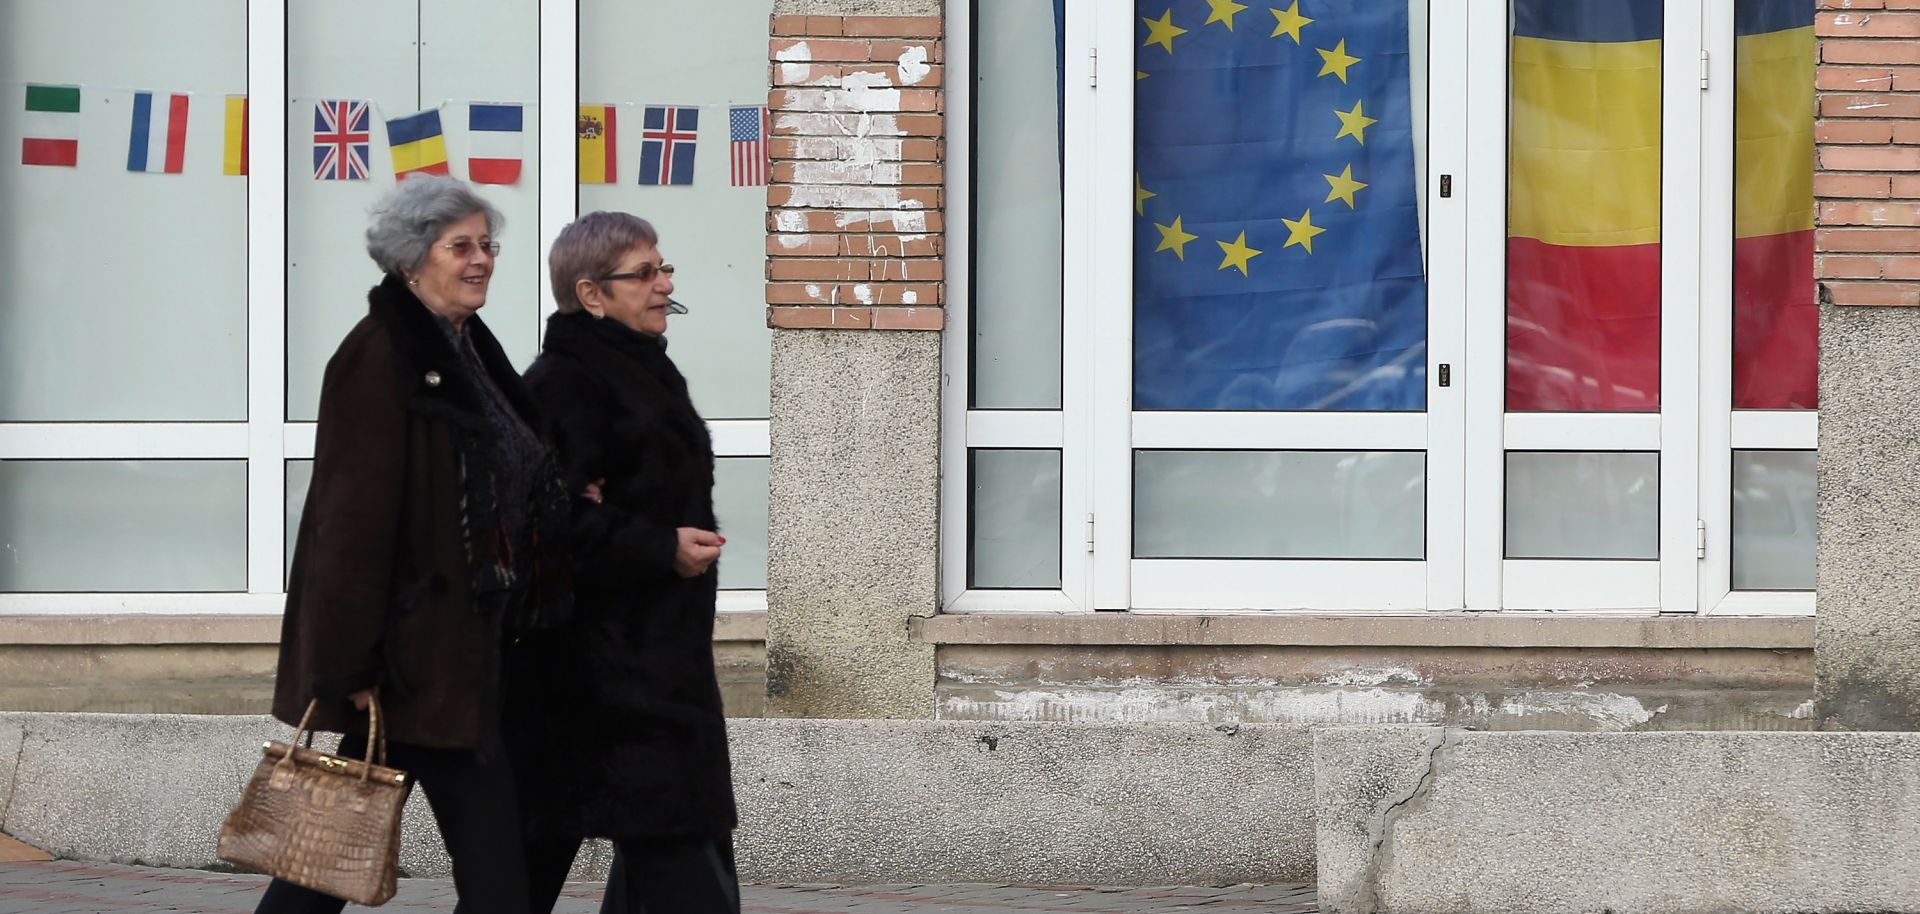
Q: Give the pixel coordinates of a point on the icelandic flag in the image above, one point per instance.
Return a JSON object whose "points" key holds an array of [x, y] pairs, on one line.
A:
{"points": [[340, 140], [159, 139], [494, 134], [666, 144], [1277, 248]]}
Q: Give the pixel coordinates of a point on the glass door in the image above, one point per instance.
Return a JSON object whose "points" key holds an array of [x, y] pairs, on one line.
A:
{"points": [[1284, 307]]}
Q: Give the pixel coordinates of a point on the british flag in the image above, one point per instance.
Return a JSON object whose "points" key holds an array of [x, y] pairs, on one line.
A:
{"points": [[340, 140]]}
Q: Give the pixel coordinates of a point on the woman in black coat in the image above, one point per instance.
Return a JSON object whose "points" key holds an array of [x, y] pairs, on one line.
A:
{"points": [[618, 726], [433, 533]]}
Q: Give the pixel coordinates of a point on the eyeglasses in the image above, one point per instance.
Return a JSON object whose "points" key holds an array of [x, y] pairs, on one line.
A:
{"points": [[646, 273], [464, 249]]}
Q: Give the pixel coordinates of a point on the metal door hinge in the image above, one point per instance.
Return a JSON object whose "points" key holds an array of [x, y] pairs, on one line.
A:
{"points": [[1093, 67], [1089, 532], [1704, 60], [1700, 541]]}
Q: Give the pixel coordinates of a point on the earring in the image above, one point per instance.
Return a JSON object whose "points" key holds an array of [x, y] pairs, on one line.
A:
{"points": [[413, 282]]}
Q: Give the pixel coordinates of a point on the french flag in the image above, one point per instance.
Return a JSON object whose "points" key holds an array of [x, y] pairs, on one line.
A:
{"points": [[493, 143], [159, 139]]}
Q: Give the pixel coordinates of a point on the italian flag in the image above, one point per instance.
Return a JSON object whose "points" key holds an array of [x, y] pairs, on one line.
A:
{"points": [[51, 129]]}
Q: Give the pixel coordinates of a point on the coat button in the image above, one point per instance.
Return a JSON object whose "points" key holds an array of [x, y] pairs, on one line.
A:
{"points": [[433, 379]]}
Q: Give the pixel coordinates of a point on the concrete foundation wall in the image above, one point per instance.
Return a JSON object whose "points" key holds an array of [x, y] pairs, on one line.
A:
{"points": [[853, 523], [821, 800], [1438, 820], [1868, 630]]}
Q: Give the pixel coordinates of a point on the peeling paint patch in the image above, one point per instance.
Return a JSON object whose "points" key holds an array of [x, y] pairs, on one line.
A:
{"points": [[913, 65], [1378, 677], [1804, 712], [794, 72], [789, 222], [844, 196], [813, 291], [863, 293], [909, 297]]}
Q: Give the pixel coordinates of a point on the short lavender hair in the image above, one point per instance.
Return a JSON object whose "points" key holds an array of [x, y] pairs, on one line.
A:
{"points": [[592, 246], [410, 217]]}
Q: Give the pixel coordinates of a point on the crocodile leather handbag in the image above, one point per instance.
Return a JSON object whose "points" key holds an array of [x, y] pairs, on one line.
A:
{"points": [[327, 823]]}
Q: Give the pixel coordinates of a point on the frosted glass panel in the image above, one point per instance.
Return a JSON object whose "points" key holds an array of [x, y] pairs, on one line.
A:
{"points": [[1015, 521], [116, 526], [299, 476], [1016, 187], [1773, 520], [424, 54], [635, 53], [740, 502], [1569, 505], [114, 305], [1280, 504]]}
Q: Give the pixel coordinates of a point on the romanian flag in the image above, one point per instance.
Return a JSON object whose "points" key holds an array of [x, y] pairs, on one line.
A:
{"points": [[1776, 323], [417, 144], [599, 155], [234, 155], [1583, 206]]}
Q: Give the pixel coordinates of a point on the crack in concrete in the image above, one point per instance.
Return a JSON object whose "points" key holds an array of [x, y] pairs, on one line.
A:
{"points": [[1443, 739], [13, 780]]}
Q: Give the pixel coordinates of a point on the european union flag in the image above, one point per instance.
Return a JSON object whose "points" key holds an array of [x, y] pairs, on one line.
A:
{"points": [[1277, 251]]}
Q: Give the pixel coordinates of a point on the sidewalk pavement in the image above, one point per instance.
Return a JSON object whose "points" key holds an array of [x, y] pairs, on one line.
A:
{"points": [[71, 887]]}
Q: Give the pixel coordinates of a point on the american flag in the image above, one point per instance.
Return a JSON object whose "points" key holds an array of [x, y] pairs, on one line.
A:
{"points": [[340, 139], [747, 128]]}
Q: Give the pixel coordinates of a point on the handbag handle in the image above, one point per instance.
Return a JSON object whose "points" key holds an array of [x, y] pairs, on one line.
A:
{"points": [[376, 736]]}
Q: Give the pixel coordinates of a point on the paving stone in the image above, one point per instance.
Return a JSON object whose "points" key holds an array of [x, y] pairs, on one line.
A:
{"points": [[74, 887]]}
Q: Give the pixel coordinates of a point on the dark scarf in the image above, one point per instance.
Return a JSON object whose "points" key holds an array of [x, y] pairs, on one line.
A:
{"points": [[517, 558]]}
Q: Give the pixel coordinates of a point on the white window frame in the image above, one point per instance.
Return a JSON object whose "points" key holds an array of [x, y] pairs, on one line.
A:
{"points": [[266, 440], [1466, 432]]}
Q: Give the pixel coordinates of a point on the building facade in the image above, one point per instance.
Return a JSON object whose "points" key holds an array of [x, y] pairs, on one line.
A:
{"points": [[1521, 365]]}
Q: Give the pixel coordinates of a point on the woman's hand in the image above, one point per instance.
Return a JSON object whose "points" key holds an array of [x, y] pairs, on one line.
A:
{"points": [[698, 550], [361, 699], [594, 491]]}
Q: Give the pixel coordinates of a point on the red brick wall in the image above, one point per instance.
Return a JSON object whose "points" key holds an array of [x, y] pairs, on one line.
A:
{"points": [[1867, 177], [855, 198]]}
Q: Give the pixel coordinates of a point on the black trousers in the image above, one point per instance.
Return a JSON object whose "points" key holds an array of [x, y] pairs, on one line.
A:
{"points": [[660, 876], [474, 799]]}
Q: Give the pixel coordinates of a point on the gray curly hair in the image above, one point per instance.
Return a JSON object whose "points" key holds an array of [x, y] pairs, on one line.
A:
{"points": [[409, 219]]}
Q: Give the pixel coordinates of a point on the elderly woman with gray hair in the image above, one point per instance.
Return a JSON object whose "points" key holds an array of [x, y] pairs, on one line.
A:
{"points": [[617, 720], [434, 531]]}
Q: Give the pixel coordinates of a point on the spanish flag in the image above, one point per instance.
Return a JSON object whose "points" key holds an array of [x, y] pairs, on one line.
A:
{"points": [[1583, 206], [1776, 323], [599, 156], [418, 144]]}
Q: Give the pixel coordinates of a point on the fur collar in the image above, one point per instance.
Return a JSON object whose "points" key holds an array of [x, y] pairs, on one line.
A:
{"points": [[427, 355]]}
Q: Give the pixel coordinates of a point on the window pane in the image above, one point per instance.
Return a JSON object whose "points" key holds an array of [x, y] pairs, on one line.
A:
{"points": [[118, 526], [1015, 519], [1773, 520], [299, 477], [709, 57], [1569, 505], [1776, 324], [438, 55], [740, 501], [1016, 205], [1280, 504], [104, 286], [1277, 257], [1583, 206]]}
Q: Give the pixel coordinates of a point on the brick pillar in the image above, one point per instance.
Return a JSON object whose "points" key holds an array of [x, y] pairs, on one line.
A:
{"points": [[1867, 650], [855, 294]]}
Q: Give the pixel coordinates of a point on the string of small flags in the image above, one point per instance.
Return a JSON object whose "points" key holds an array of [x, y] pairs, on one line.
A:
{"points": [[343, 137]]}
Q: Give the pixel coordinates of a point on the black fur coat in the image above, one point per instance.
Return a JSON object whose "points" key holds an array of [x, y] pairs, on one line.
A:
{"points": [[616, 719]]}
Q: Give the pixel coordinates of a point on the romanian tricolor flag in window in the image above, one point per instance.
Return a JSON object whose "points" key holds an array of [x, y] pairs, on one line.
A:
{"points": [[1583, 206], [1776, 323]]}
